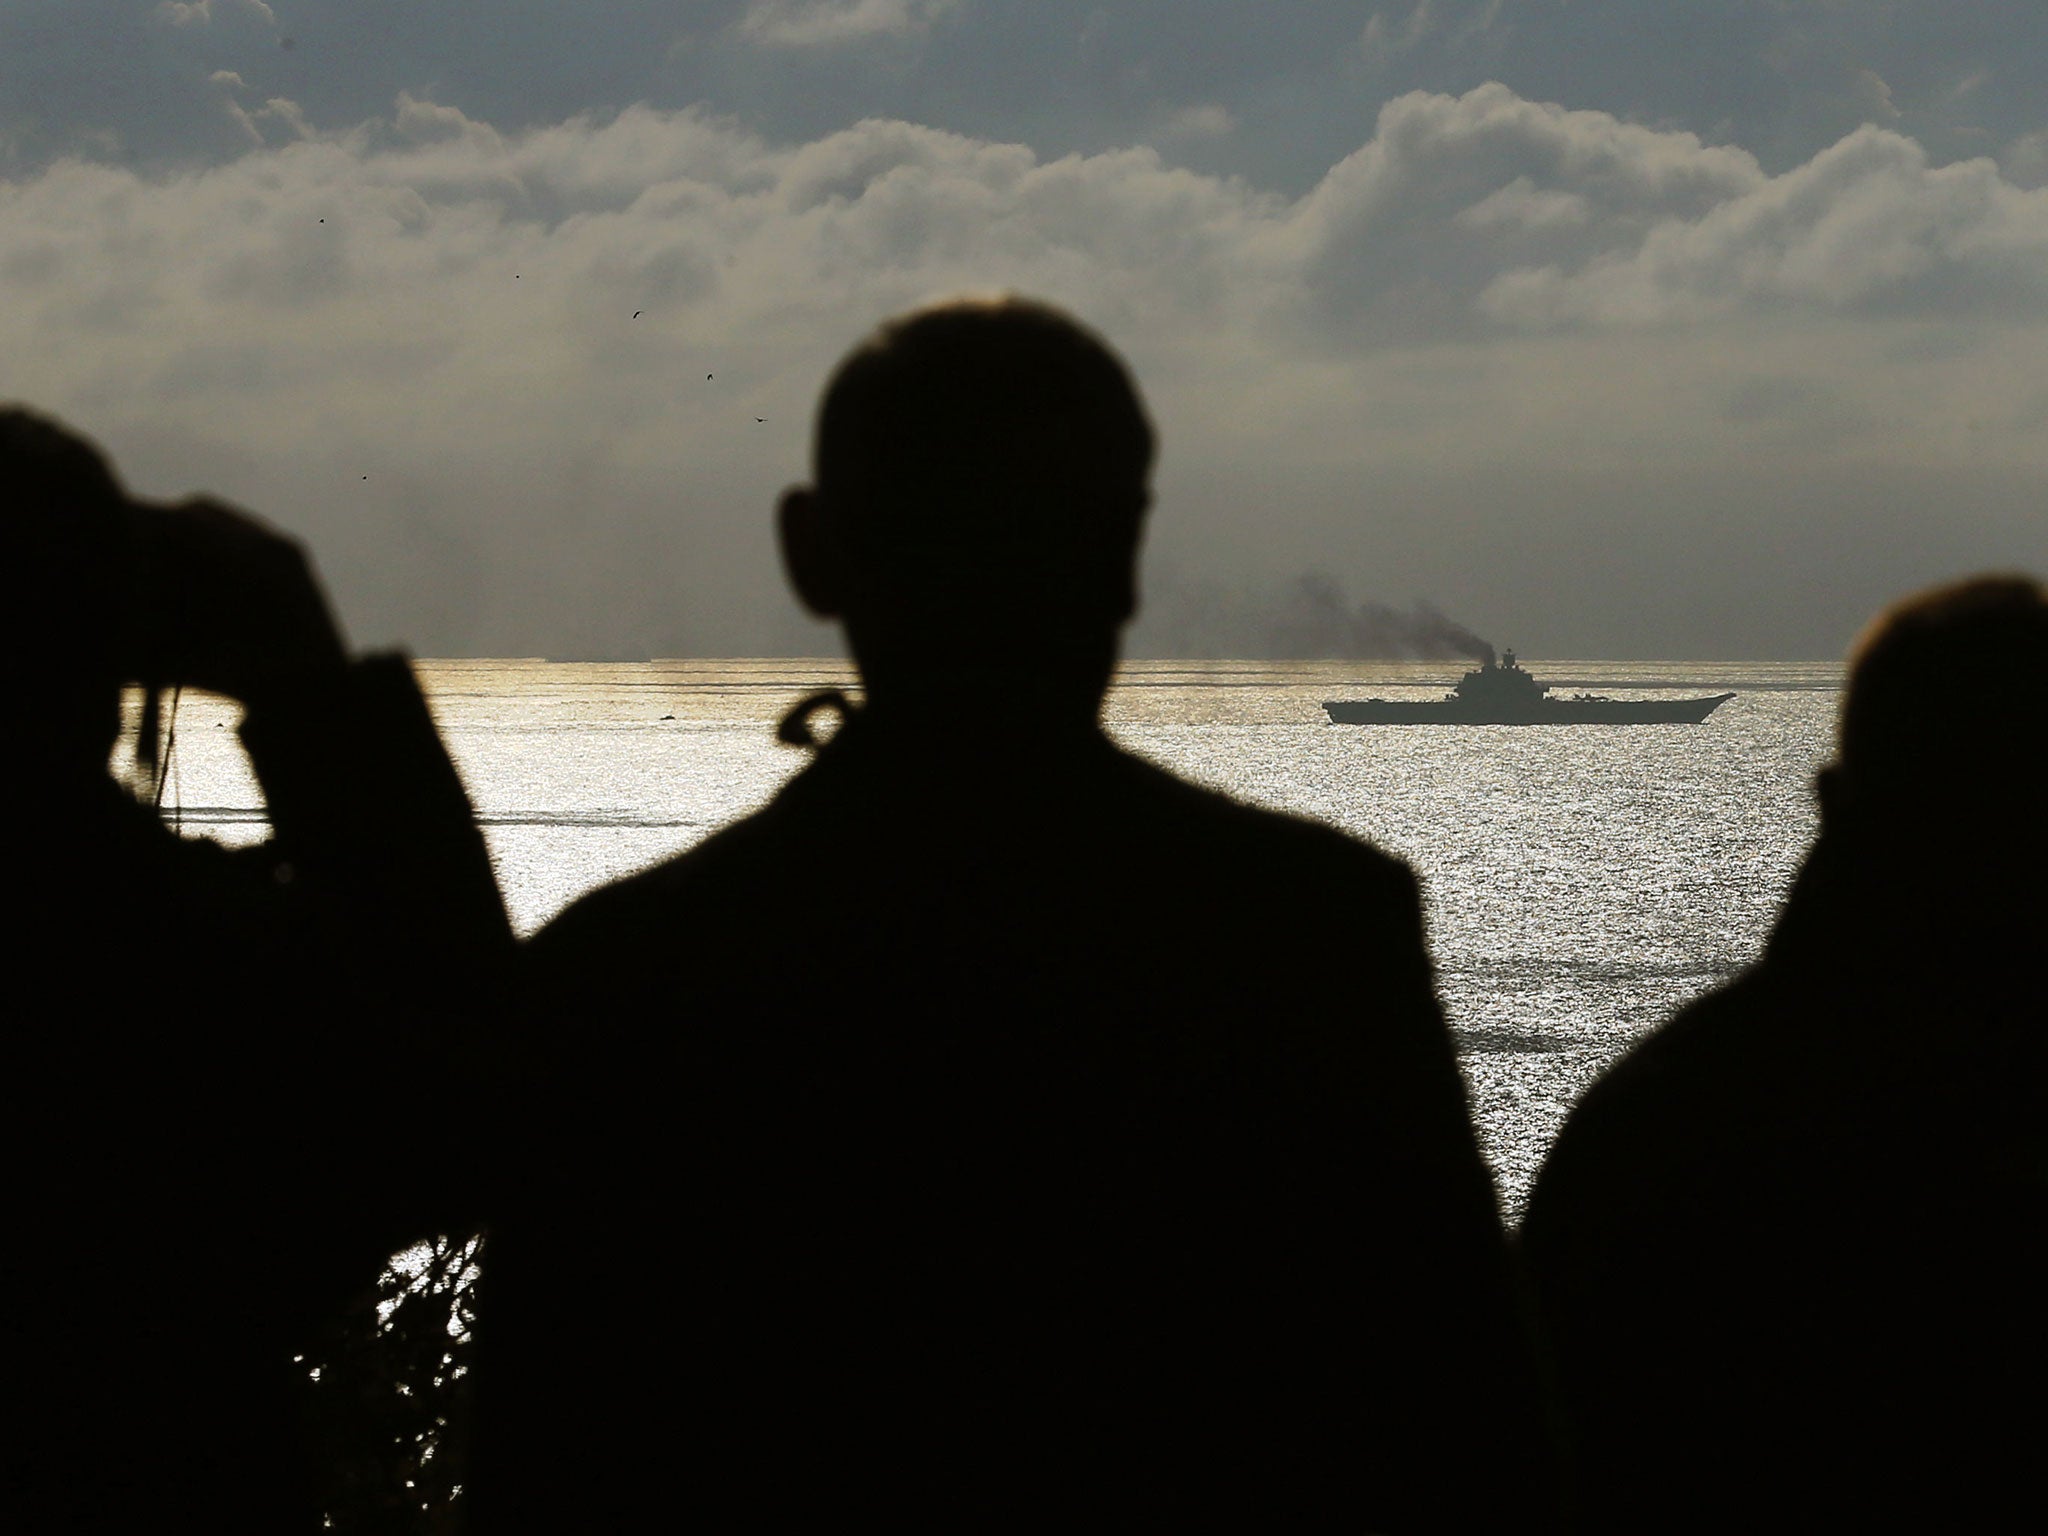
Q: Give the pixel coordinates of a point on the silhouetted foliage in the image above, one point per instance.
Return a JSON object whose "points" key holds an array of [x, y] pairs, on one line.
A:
{"points": [[391, 1396]]}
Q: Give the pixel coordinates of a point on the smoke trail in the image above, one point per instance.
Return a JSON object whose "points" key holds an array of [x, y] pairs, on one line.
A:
{"points": [[1310, 618]]}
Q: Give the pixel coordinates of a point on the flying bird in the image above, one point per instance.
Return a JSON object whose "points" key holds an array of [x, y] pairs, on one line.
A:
{"points": [[707, 375], [636, 314], [760, 418]]}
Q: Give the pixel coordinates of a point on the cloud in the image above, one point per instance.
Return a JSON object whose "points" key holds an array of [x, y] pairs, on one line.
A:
{"points": [[1430, 34], [1399, 240], [278, 112], [1194, 123], [832, 23], [1497, 326], [1866, 226], [187, 13], [1383, 40], [1873, 96], [2025, 161], [1522, 205], [1300, 93]]}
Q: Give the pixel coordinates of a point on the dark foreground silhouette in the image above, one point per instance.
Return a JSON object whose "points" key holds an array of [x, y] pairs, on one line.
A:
{"points": [[221, 1091], [974, 1136], [1791, 1249]]}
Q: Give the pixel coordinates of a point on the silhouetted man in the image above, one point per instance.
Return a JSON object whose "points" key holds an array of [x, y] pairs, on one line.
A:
{"points": [[1791, 1248], [220, 1098], [995, 1128]]}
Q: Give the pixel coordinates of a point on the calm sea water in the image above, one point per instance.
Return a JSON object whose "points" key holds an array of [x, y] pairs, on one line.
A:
{"points": [[1581, 881]]}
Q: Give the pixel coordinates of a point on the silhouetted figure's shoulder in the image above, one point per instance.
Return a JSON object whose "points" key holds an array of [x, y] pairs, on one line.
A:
{"points": [[1789, 1083], [1072, 884], [1221, 831], [955, 848], [1670, 1098], [1086, 794], [1784, 1246]]}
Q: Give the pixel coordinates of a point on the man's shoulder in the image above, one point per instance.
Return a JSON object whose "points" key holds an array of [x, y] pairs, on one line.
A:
{"points": [[1221, 825], [1126, 822], [1694, 1068], [646, 903], [1692, 1104], [1695, 1052]]}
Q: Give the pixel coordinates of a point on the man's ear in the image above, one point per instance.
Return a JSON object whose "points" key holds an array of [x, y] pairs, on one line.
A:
{"points": [[812, 557], [1128, 598], [1125, 596]]}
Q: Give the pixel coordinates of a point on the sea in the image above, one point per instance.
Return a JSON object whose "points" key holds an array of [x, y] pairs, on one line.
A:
{"points": [[1581, 882]]}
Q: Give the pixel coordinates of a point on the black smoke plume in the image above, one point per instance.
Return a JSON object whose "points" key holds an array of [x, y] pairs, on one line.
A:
{"points": [[1310, 618]]}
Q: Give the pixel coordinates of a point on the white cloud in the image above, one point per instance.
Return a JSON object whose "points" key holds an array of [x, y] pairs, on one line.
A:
{"points": [[419, 121], [830, 23], [1481, 22], [1203, 122], [186, 13], [1383, 40], [278, 111], [1873, 97], [1400, 237], [1520, 204], [1867, 226], [2025, 161], [1478, 301]]}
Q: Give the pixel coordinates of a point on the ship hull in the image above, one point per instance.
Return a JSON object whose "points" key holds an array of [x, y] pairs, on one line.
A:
{"points": [[1540, 712]]}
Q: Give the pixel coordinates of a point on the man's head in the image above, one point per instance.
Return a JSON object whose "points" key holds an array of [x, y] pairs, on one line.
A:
{"points": [[981, 471], [1945, 719]]}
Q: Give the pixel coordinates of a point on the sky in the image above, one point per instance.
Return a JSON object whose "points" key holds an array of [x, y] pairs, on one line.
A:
{"points": [[1685, 330]]}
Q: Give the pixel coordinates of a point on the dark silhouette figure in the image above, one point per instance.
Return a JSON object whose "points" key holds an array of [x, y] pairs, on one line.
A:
{"points": [[995, 1129], [220, 1089], [1791, 1248]]}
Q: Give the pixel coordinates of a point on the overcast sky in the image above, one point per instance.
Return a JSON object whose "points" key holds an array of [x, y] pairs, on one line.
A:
{"points": [[1610, 328]]}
